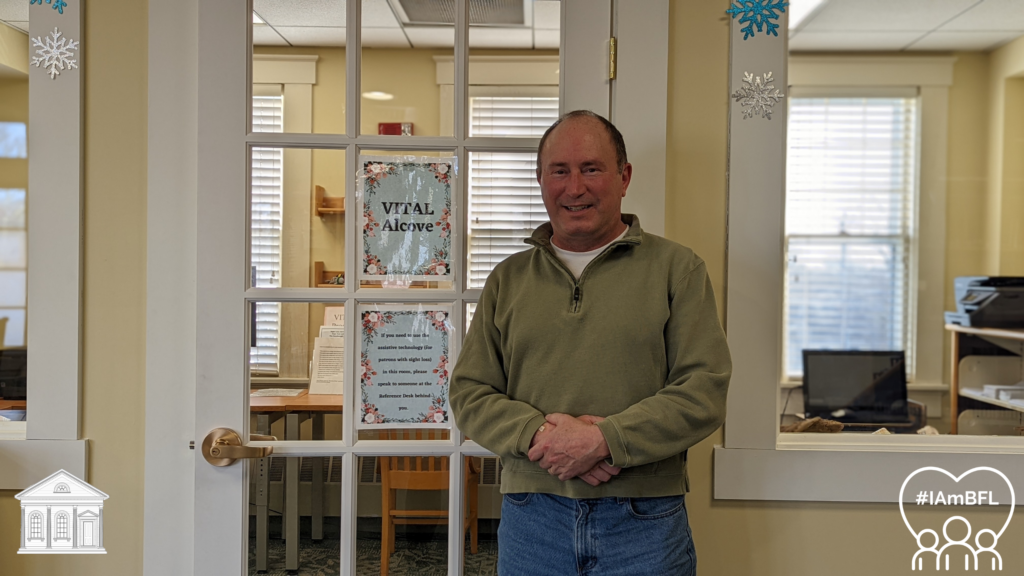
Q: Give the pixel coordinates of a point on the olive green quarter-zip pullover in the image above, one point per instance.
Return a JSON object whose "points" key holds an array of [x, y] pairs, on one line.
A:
{"points": [[636, 339]]}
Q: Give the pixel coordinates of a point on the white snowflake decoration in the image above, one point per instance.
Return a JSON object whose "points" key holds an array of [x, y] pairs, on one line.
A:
{"points": [[758, 96], [55, 52]]}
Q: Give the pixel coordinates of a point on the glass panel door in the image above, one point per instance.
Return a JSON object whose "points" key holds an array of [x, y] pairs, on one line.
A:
{"points": [[338, 270]]}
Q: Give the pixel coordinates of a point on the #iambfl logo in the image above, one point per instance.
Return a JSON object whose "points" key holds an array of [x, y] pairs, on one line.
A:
{"points": [[951, 544]]}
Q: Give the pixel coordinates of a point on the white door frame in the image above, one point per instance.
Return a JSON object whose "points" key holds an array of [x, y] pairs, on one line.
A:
{"points": [[188, 500]]}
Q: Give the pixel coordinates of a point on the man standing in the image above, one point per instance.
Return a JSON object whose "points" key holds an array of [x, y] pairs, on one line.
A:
{"points": [[594, 361]]}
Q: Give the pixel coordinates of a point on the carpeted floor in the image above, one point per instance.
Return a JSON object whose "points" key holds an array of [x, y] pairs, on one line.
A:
{"points": [[412, 557]]}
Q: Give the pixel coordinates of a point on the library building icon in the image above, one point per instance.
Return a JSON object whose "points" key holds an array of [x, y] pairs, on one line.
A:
{"points": [[61, 514]]}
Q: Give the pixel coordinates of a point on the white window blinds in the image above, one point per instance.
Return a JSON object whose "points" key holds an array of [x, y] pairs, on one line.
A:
{"points": [[518, 116], [505, 204], [267, 200], [851, 186]]}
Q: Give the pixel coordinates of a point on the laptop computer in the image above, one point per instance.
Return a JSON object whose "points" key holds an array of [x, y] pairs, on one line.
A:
{"points": [[856, 386]]}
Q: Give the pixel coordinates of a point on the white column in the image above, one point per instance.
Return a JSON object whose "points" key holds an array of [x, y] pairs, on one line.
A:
{"points": [[99, 537], [49, 539], [74, 528], [24, 526]]}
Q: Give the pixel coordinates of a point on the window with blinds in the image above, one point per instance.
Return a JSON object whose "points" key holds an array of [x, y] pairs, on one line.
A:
{"points": [[850, 204], [267, 200], [505, 204]]}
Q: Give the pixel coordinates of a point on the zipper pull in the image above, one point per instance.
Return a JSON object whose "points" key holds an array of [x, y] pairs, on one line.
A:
{"points": [[575, 298]]}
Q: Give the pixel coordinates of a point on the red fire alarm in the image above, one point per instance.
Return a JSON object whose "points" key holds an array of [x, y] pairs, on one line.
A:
{"points": [[394, 128]]}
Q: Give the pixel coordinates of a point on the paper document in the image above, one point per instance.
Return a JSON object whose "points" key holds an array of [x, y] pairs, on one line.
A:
{"points": [[277, 392], [328, 366]]}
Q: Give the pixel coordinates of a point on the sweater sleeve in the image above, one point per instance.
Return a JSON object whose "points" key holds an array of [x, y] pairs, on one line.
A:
{"points": [[479, 388], [692, 403]]}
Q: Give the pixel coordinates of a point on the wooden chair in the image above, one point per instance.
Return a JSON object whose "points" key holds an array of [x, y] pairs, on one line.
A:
{"points": [[420, 473]]}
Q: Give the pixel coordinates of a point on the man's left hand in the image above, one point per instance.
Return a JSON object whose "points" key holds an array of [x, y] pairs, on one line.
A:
{"points": [[572, 449]]}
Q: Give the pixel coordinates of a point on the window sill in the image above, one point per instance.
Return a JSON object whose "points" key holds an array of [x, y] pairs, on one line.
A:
{"points": [[25, 462], [852, 467]]}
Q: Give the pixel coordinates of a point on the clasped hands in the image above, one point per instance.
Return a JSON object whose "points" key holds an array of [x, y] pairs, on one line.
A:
{"points": [[570, 447]]}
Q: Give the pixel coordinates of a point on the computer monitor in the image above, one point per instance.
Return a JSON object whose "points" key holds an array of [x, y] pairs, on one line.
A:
{"points": [[13, 369], [866, 386]]}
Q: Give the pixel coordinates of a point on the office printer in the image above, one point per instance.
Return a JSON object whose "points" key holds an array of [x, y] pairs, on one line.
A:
{"points": [[988, 302]]}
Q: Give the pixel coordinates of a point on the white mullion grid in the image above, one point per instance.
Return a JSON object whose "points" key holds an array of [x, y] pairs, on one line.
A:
{"points": [[456, 497]]}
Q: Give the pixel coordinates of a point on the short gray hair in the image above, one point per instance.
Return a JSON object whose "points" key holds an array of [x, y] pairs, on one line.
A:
{"points": [[613, 133]]}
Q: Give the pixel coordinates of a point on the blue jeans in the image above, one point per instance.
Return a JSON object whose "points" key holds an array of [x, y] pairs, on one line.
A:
{"points": [[548, 535]]}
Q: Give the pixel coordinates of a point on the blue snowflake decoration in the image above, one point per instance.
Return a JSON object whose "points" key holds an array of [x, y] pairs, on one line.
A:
{"points": [[58, 5], [758, 13]]}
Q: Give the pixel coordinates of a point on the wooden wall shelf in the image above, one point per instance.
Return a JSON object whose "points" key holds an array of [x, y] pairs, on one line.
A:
{"points": [[325, 205], [322, 278]]}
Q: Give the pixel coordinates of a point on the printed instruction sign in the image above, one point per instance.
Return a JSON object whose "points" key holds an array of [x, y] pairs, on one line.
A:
{"points": [[403, 369], [406, 205]]}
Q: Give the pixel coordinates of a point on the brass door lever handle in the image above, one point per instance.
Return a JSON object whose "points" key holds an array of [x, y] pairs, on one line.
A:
{"points": [[223, 446]]}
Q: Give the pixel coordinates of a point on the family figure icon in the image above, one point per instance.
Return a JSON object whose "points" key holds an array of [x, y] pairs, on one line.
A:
{"points": [[973, 556]]}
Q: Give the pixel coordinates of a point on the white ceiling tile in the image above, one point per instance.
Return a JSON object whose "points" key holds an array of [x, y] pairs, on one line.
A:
{"points": [[547, 15], [431, 36], [378, 14], [546, 39], [263, 35], [14, 11], [943, 40], [301, 12], [885, 15], [852, 40], [500, 38], [384, 38], [990, 15], [313, 35]]}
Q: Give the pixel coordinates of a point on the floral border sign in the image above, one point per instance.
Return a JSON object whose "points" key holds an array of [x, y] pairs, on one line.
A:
{"points": [[403, 365], [406, 206]]}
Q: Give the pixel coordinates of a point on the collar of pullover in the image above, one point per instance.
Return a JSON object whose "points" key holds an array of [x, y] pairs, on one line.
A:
{"points": [[634, 235]]}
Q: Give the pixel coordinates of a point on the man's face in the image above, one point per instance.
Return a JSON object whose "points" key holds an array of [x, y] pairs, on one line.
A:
{"points": [[581, 185]]}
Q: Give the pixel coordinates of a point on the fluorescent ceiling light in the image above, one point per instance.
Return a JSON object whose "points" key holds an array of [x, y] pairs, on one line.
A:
{"points": [[801, 9], [256, 18], [378, 95]]}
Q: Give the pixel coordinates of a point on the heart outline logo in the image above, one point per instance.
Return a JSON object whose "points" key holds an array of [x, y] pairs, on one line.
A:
{"points": [[1013, 496]]}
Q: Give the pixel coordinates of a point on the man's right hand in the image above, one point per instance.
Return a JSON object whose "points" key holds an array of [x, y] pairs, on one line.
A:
{"points": [[601, 472]]}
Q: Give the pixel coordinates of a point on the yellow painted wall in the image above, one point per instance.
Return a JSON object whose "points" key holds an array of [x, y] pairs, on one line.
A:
{"points": [[1004, 241], [114, 296], [13, 50], [13, 108]]}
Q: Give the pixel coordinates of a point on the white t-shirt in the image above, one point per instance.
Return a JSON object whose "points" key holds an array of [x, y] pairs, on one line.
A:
{"points": [[577, 261]]}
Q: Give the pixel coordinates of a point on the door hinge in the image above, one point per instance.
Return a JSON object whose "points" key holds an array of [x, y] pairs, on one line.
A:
{"points": [[611, 58]]}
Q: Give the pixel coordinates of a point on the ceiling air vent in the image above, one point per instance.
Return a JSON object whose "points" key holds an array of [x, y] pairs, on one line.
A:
{"points": [[481, 12]]}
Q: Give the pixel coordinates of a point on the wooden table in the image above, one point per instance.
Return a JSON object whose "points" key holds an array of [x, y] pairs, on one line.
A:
{"points": [[1012, 340], [294, 410], [12, 404]]}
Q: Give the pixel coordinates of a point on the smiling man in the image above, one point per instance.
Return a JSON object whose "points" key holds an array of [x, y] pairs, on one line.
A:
{"points": [[594, 361]]}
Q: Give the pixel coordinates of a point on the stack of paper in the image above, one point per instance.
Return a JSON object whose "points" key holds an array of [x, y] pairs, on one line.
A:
{"points": [[994, 390]]}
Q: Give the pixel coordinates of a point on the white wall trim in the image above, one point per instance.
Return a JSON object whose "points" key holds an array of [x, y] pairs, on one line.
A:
{"points": [[283, 69], [50, 438], [23, 463], [54, 236], [860, 474], [172, 137], [640, 104]]}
